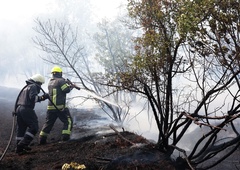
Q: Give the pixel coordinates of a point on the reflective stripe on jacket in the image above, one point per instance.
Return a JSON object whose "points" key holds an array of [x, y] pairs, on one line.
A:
{"points": [[58, 88]]}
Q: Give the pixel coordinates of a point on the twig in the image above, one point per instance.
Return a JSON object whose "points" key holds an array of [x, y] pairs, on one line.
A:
{"points": [[196, 121], [185, 155], [115, 130], [104, 159]]}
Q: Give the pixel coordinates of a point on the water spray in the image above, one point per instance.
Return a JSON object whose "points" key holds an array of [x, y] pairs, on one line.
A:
{"points": [[94, 95], [99, 98], [73, 85]]}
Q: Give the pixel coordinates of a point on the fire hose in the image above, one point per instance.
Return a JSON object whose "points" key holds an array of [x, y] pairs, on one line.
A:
{"points": [[14, 114], [10, 140], [13, 125]]}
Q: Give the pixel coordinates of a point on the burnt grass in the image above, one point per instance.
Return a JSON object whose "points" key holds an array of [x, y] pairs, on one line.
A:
{"points": [[95, 151]]}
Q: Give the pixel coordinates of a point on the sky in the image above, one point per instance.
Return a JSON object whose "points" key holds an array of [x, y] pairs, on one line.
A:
{"points": [[19, 57]]}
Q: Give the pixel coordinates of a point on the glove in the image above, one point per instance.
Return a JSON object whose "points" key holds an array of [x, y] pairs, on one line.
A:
{"points": [[14, 113], [44, 97], [71, 87]]}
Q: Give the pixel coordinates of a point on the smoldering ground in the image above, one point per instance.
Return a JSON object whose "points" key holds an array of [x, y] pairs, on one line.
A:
{"points": [[94, 150], [91, 118]]}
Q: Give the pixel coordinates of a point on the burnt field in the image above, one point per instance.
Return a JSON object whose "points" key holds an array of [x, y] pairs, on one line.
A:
{"points": [[112, 150]]}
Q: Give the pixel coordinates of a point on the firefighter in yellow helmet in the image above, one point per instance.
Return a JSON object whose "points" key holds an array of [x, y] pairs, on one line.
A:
{"points": [[27, 121], [57, 89]]}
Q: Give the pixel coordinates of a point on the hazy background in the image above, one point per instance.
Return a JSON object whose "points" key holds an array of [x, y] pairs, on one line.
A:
{"points": [[19, 58]]}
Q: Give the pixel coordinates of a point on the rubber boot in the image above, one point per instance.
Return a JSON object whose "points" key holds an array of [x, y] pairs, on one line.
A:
{"points": [[42, 140], [17, 142], [65, 137], [22, 146]]}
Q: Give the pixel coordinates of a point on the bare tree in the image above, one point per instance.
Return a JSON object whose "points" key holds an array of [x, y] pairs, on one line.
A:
{"points": [[114, 48], [60, 42], [187, 66]]}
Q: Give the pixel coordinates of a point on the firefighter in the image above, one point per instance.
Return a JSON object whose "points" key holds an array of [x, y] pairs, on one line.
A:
{"points": [[27, 120], [58, 88]]}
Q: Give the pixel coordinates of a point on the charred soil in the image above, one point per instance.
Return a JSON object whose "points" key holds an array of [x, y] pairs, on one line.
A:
{"points": [[123, 150]]}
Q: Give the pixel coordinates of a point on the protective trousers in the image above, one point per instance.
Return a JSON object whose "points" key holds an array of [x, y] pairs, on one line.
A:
{"points": [[27, 127], [52, 115]]}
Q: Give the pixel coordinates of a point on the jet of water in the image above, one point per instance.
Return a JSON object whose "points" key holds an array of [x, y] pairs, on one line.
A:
{"points": [[99, 97]]}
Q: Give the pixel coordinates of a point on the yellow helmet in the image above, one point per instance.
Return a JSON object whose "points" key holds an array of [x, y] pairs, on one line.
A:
{"points": [[56, 69]]}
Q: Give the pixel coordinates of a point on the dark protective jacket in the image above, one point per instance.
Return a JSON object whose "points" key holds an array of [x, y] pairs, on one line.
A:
{"points": [[29, 95], [58, 88]]}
